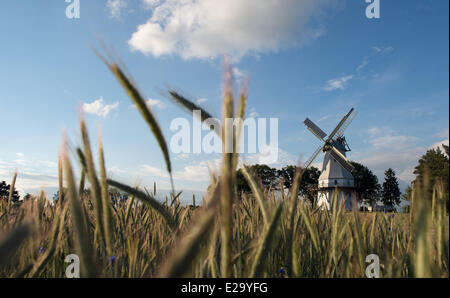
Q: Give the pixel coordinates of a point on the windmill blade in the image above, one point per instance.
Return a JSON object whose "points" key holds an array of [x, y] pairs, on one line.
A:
{"points": [[338, 127], [347, 122], [341, 159], [313, 157], [315, 129]]}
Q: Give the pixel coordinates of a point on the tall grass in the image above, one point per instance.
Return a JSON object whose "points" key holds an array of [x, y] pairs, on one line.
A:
{"points": [[228, 235]]}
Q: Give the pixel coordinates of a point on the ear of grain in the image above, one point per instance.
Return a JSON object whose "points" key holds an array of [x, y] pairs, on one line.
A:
{"points": [[309, 225], [60, 181], [422, 252], [11, 191], [240, 115], [147, 200], [227, 187], [359, 241], [258, 193], [190, 106], [290, 262], [106, 202], [82, 234], [264, 244], [93, 180], [146, 113], [58, 222], [187, 247]]}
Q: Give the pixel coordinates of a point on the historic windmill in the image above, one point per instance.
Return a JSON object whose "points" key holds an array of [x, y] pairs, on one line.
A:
{"points": [[336, 169]]}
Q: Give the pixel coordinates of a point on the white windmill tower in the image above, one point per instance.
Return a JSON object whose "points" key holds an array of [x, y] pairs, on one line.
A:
{"points": [[336, 169]]}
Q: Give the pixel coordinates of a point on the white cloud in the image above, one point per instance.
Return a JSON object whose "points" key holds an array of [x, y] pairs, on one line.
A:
{"points": [[363, 64], [284, 157], [32, 174], [382, 50], [402, 161], [201, 100], [442, 134], [393, 151], [206, 29], [196, 172], [115, 8], [239, 74], [99, 108], [149, 4], [21, 162], [155, 103], [147, 169], [386, 138], [253, 113], [337, 83], [341, 82], [439, 145], [326, 117], [20, 155]]}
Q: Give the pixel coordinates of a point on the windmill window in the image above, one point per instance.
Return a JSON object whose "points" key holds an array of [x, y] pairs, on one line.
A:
{"points": [[335, 182]]}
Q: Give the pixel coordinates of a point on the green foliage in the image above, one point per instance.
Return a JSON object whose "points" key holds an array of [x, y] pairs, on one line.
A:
{"points": [[267, 176], [390, 194], [271, 178], [432, 167], [446, 149], [5, 192], [308, 184], [407, 195], [366, 184]]}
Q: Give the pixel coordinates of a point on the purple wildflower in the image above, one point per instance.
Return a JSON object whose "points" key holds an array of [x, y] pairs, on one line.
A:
{"points": [[282, 272], [111, 260]]}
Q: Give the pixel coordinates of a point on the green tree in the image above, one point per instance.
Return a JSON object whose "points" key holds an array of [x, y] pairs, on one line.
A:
{"points": [[366, 184], [390, 194], [433, 167], [308, 184], [446, 149], [267, 176], [4, 192], [407, 194]]}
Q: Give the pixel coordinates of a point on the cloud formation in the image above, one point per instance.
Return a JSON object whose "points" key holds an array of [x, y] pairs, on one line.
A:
{"points": [[115, 8], [98, 108], [32, 174], [386, 138], [206, 29], [342, 82], [392, 150], [155, 103], [338, 83]]}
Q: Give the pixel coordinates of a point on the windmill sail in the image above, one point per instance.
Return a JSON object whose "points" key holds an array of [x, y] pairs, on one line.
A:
{"points": [[314, 129], [341, 159], [347, 122], [340, 125], [313, 157]]}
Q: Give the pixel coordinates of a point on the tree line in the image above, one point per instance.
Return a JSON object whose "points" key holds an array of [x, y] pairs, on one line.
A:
{"points": [[367, 187], [433, 167]]}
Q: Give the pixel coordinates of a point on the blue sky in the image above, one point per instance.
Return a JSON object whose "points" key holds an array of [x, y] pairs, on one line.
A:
{"points": [[313, 59]]}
